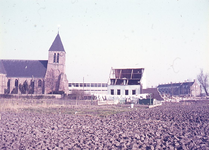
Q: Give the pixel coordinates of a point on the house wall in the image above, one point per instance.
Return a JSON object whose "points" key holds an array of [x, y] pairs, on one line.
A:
{"points": [[122, 89], [195, 89], [144, 80]]}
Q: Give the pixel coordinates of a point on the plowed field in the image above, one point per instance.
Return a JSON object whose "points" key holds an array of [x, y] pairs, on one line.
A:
{"points": [[183, 125]]}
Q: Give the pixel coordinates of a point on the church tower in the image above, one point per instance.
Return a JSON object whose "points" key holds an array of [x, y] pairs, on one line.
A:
{"points": [[56, 56], [56, 79]]}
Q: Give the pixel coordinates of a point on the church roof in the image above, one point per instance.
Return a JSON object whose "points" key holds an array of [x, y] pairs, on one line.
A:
{"points": [[24, 68], [57, 44], [2, 70]]}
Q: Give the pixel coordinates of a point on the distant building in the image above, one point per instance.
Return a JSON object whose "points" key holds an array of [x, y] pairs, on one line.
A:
{"points": [[126, 81], [35, 76], [189, 89], [89, 87]]}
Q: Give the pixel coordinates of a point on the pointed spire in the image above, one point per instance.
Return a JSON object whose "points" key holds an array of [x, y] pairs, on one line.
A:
{"points": [[57, 44]]}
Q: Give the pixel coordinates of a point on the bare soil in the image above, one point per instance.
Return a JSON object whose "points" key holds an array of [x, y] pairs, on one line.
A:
{"points": [[64, 125]]}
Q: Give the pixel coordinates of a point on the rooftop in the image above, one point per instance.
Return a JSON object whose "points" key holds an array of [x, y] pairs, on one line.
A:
{"points": [[57, 44], [24, 68]]}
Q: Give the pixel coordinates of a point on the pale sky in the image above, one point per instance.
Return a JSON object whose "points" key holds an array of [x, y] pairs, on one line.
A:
{"points": [[169, 38]]}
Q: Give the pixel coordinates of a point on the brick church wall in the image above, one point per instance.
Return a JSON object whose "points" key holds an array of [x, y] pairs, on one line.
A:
{"points": [[37, 88], [3, 83], [54, 72]]}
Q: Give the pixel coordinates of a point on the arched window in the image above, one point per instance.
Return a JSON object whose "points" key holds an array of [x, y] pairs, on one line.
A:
{"points": [[25, 87], [8, 84], [32, 83], [16, 83], [58, 57], [54, 57], [31, 89], [39, 83]]}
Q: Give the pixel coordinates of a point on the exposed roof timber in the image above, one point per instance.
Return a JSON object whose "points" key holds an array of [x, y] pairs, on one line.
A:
{"points": [[132, 73], [127, 68], [124, 79], [115, 81], [120, 73], [133, 76]]}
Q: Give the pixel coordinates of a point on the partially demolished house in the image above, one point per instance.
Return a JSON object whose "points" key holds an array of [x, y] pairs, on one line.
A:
{"points": [[182, 89], [126, 81]]}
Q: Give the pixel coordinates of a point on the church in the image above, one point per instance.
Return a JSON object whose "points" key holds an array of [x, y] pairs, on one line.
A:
{"points": [[36, 76]]}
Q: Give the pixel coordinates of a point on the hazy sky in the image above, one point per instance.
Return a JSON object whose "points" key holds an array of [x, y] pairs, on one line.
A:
{"points": [[169, 38]]}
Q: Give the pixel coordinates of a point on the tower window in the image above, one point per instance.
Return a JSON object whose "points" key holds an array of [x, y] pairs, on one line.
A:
{"points": [[58, 57], [54, 57]]}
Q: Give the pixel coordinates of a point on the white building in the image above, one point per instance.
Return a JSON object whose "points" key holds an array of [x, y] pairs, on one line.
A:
{"points": [[89, 87], [126, 81]]}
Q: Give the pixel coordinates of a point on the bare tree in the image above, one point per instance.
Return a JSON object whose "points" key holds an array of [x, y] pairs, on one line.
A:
{"points": [[203, 79]]}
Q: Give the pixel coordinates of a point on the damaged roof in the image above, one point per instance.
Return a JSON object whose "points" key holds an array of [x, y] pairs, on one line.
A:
{"points": [[169, 85], [128, 73], [24, 68], [175, 84], [126, 76]]}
